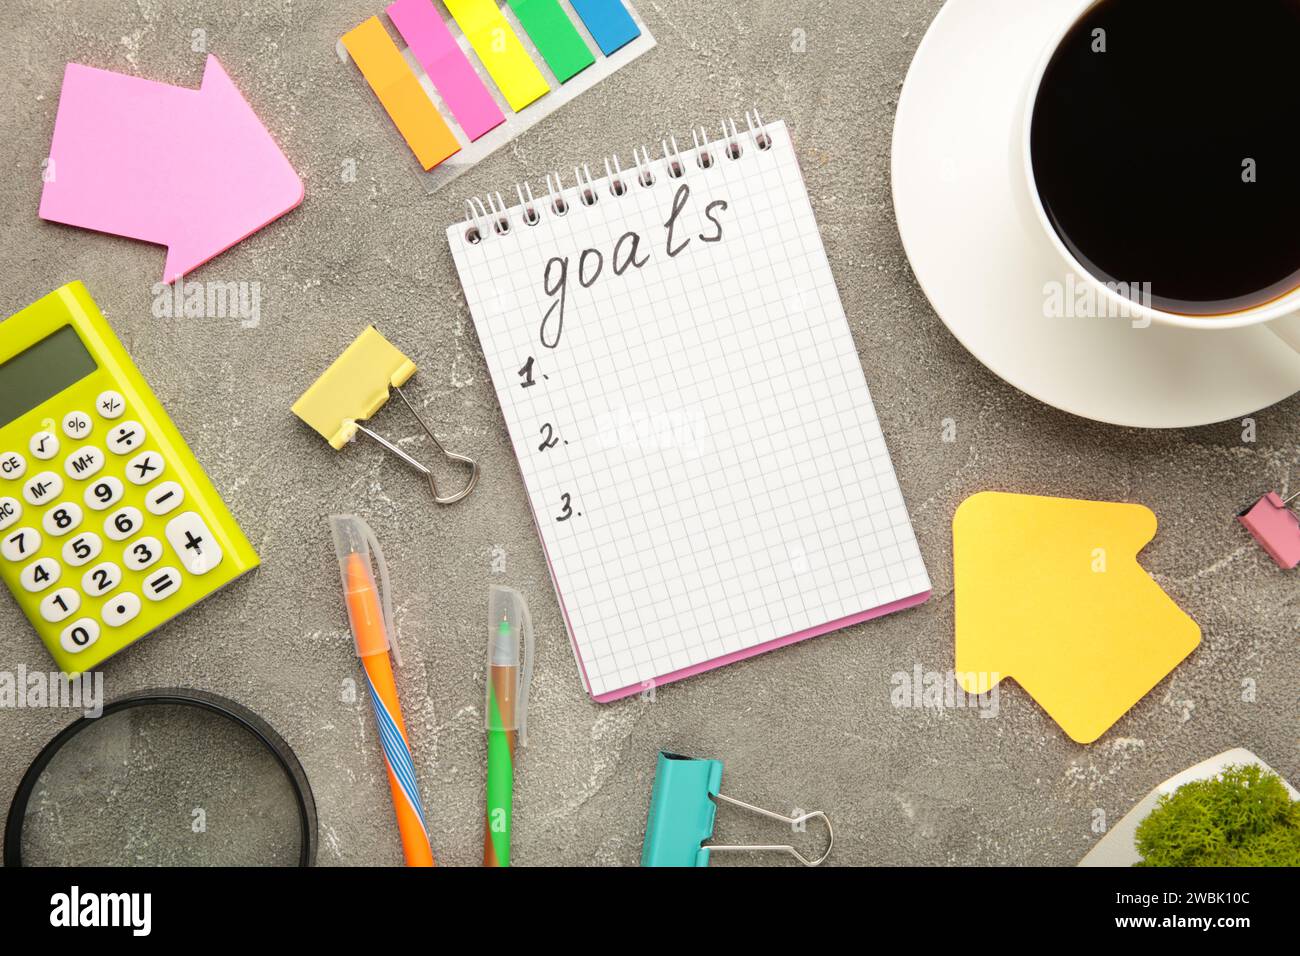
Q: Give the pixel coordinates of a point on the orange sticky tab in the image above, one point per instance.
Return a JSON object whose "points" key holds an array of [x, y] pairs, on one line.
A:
{"points": [[498, 46], [398, 89]]}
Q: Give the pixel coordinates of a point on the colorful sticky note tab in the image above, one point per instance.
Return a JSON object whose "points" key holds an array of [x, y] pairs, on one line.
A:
{"points": [[611, 26], [398, 89], [499, 48], [555, 37], [1049, 591], [423, 29]]}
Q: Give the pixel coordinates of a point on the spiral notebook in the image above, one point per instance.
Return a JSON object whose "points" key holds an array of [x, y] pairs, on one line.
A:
{"points": [[695, 434]]}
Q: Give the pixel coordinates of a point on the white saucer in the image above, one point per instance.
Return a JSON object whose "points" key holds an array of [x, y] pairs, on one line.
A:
{"points": [[964, 215]]}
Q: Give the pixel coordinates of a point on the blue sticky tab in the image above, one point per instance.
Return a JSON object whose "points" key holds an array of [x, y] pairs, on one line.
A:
{"points": [[682, 811], [609, 23]]}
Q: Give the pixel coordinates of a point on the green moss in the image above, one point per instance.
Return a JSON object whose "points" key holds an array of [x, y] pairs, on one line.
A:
{"points": [[1243, 817]]}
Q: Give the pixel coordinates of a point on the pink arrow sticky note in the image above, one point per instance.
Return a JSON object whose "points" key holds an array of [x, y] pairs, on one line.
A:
{"points": [[192, 170]]}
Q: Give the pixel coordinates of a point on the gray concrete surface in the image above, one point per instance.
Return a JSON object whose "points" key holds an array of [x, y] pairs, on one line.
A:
{"points": [[810, 726]]}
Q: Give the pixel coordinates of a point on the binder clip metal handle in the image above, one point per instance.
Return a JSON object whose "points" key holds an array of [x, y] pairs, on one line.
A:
{"points": [[777, 848], [683, 810], [428, 473]]}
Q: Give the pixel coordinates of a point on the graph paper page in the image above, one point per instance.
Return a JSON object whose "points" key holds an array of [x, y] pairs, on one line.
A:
{"points": [[690, 416]]}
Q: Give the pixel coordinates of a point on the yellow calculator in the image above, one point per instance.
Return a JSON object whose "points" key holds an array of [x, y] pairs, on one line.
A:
{"points": [[108, 526]]}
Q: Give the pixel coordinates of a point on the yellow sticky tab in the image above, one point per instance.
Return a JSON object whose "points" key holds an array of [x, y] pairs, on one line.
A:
{"points": [[354, 387], [398, 89], [1049, 592], [498, 46]]}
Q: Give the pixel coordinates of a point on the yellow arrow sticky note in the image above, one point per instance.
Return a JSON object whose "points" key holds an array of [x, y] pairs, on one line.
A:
{"points": [[1049, 592]]}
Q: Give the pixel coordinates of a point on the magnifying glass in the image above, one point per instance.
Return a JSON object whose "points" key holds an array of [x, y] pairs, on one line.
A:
{"points": [[170, 777]]}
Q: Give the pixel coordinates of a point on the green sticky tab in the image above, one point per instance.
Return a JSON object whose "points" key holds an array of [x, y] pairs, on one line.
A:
{"points": [[554, 36]]}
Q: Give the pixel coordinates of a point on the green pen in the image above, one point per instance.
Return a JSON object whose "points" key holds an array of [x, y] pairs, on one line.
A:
{"points": [[506, 713]]}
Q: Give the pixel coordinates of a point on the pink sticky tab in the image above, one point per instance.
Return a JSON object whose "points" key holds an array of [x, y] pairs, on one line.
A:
{"points": [[1276, 527], [422, 27]]}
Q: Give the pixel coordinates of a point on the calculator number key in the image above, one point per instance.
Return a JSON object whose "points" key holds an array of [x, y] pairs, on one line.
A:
{"points": [[140, 554], [161, 584], [82, 549], [103, 494], [21, 543], [144, 468], [60, 605], [79, 635], [194, 543], [44, 445], [12, 465], [43, 488], [110, 405], [120, 609], [125, 437], [10, 511], [40, 574], [101, 579], [84, 463], [164, 498], [77, 425], [123, 523], [62, 519]]}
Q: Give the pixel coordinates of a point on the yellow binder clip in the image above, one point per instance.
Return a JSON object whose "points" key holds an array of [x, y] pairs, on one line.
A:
{"points": [[357, 386]]}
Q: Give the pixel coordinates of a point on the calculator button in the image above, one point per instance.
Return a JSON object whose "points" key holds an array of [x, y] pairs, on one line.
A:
{"points": [[161, 583], [79, 635], [101, 579], [120, 608], [110, 405], [142, 553], [44, 445], [10, 511], [12, 465], [84, 463], [82, 549], [123, 523], [191, 539], [62, 519], [77, 425], [125, 437], [40, 574], [162, 499], [43, 488], [19, 544], [144, 468], [103, 494], [60, 605]]}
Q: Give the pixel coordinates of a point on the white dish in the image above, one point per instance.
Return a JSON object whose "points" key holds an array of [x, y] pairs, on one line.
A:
{"points": [[983, 261], [1119, 846]]}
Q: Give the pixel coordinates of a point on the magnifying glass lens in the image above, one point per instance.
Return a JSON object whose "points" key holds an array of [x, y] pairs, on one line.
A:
{"points": [[162, 785]]}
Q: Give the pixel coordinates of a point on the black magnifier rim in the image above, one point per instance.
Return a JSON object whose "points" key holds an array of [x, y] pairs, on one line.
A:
{"points": [[214, 703]]}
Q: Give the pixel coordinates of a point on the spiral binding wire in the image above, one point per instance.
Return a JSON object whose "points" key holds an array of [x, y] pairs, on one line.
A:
{"points": [[490, 216]]}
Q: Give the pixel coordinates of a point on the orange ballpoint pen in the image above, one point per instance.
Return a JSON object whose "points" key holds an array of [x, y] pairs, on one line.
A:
{"points": [[371, 626]]}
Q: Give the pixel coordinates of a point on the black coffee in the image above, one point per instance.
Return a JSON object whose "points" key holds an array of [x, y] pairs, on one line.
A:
{"points": [[1166, 147]]}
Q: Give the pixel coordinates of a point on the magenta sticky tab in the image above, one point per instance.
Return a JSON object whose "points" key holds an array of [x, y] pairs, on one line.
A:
{"points": [[1276, 527], [424, 31]]}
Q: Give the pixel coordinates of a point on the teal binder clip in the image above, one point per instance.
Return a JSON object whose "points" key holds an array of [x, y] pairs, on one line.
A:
{"points": [[683, 810]]}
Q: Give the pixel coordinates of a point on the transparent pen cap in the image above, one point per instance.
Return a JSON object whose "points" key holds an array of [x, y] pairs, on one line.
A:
{"points": [[509, 661], [358, 552]]}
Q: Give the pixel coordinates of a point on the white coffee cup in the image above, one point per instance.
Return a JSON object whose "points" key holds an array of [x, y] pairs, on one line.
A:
{"points": [[1282, 315]]}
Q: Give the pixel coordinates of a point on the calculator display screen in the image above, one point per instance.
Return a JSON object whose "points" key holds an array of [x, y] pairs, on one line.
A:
{"points": [[41, 372]]}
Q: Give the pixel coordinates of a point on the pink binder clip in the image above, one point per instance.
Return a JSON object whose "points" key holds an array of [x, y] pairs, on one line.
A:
{"points": [[1276, 527]]}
